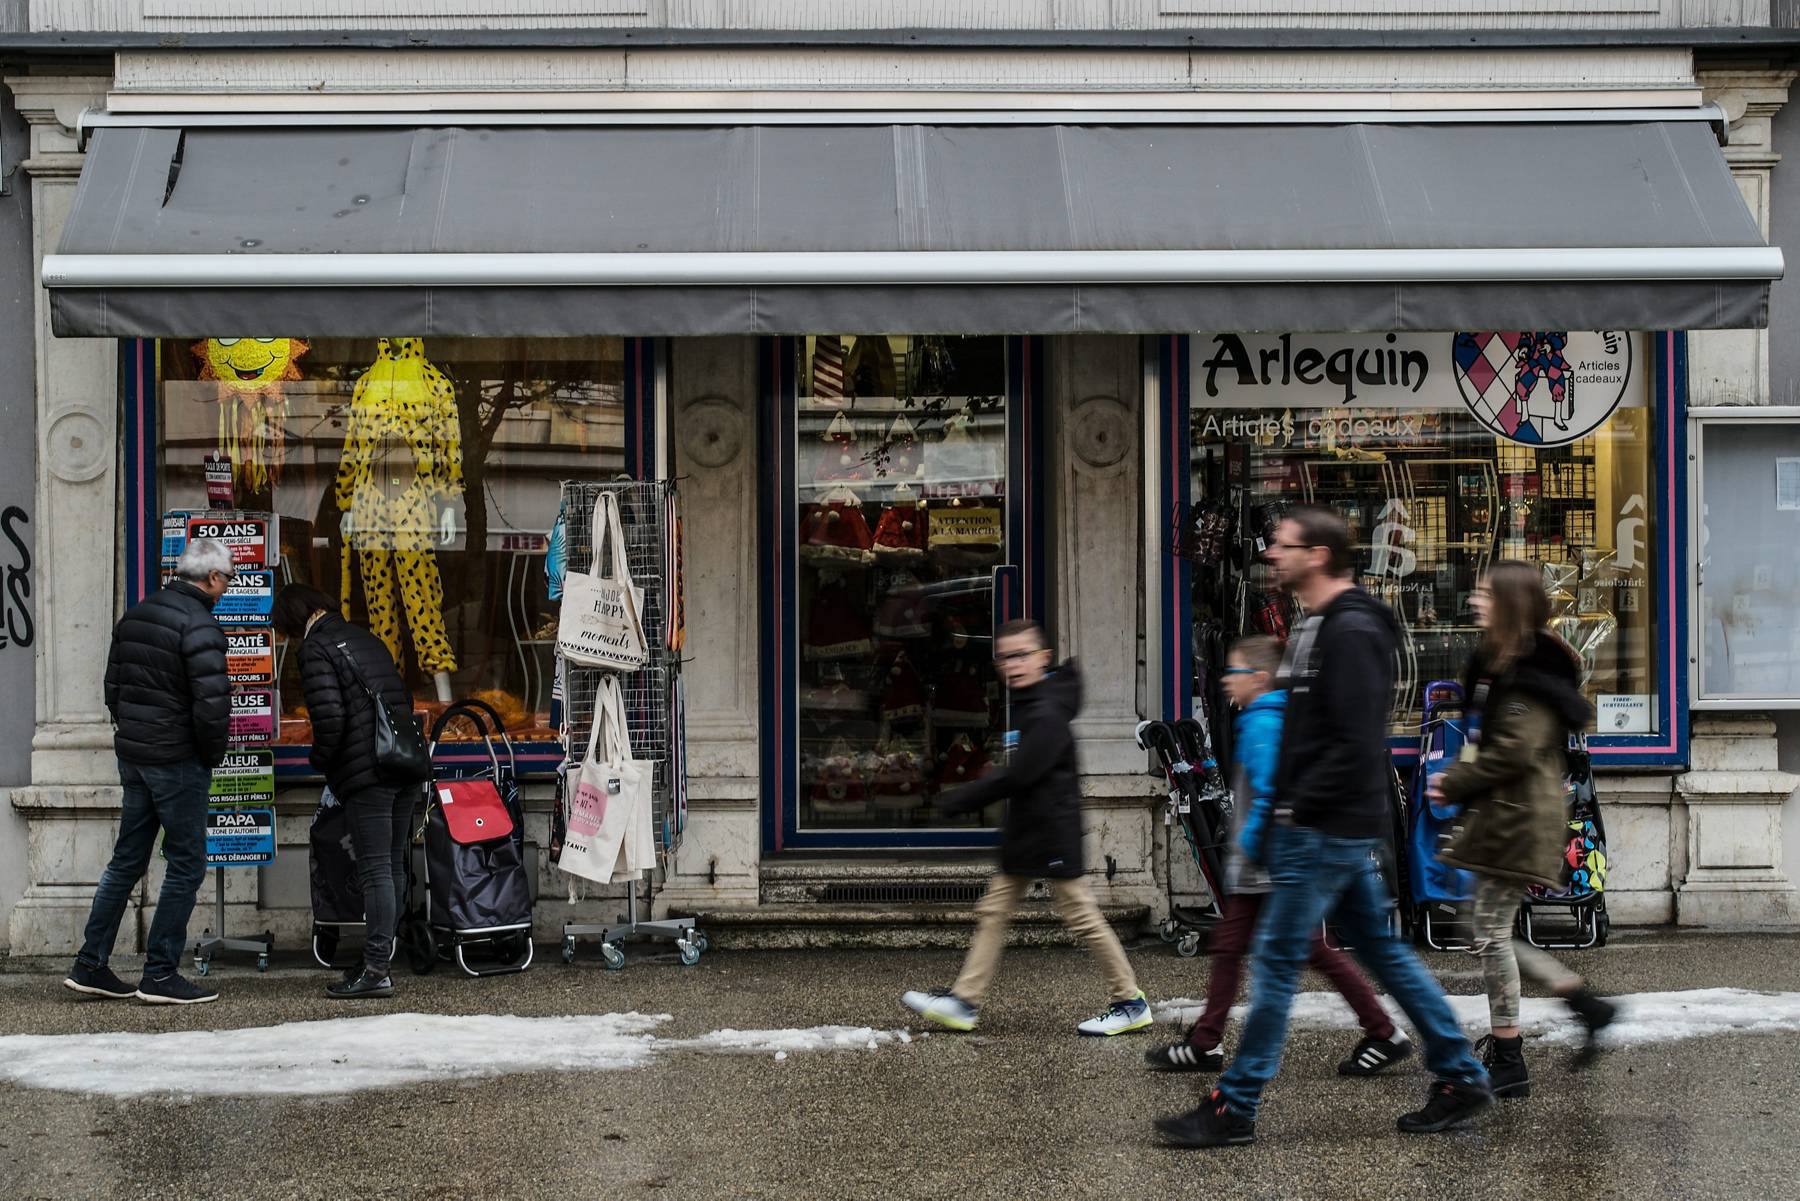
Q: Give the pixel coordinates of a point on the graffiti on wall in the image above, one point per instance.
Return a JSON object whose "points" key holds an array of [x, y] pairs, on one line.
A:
{"points": [[16, 628]]}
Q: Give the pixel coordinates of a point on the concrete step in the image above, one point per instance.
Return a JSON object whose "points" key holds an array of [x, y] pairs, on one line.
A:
{"points": [[787, 927]]}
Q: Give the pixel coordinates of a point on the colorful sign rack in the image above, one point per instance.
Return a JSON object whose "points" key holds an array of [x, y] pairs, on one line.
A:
{"points": [[241, 819]]}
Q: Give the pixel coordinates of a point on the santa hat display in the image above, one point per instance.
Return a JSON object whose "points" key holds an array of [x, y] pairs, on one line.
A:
{"points": [[960, 701], [960, 762], [898, 782], [828, 370], [903, 612], [836, 627], [841, 461], [903, 693], [832, 693], [899, 458], [837, 790], [835, 532], [900, 534]]}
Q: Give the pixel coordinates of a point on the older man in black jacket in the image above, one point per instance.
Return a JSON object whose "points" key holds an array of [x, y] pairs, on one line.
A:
{"points": [[1041, 837], [170, 701]]}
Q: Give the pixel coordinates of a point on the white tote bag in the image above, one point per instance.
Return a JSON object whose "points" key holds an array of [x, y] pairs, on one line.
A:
{"points": [[608, 828], [602, 618]]}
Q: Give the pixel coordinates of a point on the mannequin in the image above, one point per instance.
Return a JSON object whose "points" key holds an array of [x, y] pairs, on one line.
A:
{"points": [[401, 468]]}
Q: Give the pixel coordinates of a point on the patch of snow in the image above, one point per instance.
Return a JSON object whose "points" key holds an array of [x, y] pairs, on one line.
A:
{"points": [[344, 1055], [1644, 1018]]}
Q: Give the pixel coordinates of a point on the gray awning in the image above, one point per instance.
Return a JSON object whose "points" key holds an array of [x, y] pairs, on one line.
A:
{"points": [[1424, 222]]}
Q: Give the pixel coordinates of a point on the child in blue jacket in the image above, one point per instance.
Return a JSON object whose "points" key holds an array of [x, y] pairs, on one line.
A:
{"points": [[1250, 678]]}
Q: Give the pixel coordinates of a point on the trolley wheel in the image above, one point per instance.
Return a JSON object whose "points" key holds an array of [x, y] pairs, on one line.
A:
{"points": [[262, 963], [421, 947], [700, 941], [1602, 924], [568, 948], [325, 944], [613, 954], [690, 954], [1170, 930], [203, 966], [1189, 946]]}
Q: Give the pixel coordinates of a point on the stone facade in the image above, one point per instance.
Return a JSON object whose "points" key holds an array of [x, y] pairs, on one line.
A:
{"points": [[1699, 847]]}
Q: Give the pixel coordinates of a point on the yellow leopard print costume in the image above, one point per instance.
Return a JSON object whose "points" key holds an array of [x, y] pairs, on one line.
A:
{"points": [[402, 456]]}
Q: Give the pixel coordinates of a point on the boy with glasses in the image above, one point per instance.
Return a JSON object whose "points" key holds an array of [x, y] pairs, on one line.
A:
{"points": [[1250, 679], [1040, 838]]}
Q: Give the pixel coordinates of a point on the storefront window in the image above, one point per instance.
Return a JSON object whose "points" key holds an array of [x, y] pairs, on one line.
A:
{"points": [[1445, 453], [417, 479], [902, 505]]}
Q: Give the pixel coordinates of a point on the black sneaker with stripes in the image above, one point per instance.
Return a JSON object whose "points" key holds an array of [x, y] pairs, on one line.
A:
{"points": [[1184, 1057], [1374, 1055]]}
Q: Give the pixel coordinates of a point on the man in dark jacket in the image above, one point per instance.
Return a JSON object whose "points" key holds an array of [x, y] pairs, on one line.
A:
{"points": [[170, 702], [1331, 816], [1040, 838]]}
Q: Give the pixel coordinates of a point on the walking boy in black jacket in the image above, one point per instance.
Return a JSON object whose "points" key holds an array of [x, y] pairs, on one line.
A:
{"points": [[1041, 838]]}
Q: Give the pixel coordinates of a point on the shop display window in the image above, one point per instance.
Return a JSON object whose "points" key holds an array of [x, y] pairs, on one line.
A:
{"points": [[902, 505], [1445, 453], [417, 479]]}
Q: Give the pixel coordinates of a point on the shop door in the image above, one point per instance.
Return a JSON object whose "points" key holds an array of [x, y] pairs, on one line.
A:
{"points": [[903, 527]]}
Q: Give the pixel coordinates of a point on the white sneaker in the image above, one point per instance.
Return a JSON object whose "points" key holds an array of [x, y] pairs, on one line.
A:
{"points": [[942, 1006], [1120, 1017]]}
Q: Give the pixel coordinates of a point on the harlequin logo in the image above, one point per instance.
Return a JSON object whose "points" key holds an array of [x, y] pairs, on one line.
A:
{"points": [[1542, 387]]}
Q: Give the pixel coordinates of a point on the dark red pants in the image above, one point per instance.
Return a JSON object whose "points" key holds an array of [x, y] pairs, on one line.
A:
{"points": [[1231, 940]]}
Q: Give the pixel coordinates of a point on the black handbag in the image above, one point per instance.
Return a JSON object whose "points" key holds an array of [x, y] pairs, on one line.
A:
{"points": [[401, 752]]}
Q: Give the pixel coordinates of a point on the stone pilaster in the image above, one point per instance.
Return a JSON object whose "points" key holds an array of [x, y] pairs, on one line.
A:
{"points": [[1096, 472], [713, 397], [1734, 794], [1732, 366], [71, 804]]}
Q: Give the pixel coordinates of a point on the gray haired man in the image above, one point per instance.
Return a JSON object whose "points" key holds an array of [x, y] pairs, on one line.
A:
{"points": [[170, 702]]}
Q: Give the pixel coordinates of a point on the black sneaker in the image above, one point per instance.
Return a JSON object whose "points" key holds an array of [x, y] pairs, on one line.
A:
{"points": [[1213, 1124], [97, 982], [1450, 1102], [1595, 1014], [1184, 1057], [1504, 1059], [365, 984], [173, 990], [1374, 1055]]}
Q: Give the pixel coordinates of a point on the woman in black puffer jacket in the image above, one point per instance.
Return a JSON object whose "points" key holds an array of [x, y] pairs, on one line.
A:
{"points": [[337, 661]]}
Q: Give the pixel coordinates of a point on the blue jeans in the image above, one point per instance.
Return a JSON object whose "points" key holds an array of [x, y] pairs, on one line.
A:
{"points": [[170, 797], [1315, 875]]}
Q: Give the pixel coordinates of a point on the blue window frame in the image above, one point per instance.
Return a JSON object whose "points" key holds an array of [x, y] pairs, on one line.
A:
{"points": [[1019, 584], [1667, 747]]}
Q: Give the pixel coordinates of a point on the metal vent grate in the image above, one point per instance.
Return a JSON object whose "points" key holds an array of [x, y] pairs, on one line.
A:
{"points": [[901, 894]]}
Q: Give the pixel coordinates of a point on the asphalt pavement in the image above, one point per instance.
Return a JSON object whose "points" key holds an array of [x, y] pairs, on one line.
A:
{"points": [[1022, 1108]]}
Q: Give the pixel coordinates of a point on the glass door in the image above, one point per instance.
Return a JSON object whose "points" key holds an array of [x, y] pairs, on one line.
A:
{"points": [[901, 509]]}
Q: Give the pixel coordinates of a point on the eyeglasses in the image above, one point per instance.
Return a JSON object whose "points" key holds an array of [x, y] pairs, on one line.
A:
{"points": [[1238, 671]]}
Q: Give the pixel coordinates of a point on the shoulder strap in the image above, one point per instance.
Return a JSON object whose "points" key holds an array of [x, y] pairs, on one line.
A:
{"points": [[350, 662]]}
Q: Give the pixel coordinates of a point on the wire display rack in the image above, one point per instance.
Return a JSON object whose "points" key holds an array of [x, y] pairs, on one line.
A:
{"points": [[648, 516]]}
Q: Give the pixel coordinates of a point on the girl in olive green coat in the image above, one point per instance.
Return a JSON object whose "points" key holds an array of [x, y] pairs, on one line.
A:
{"points": [[1524, 690]]}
